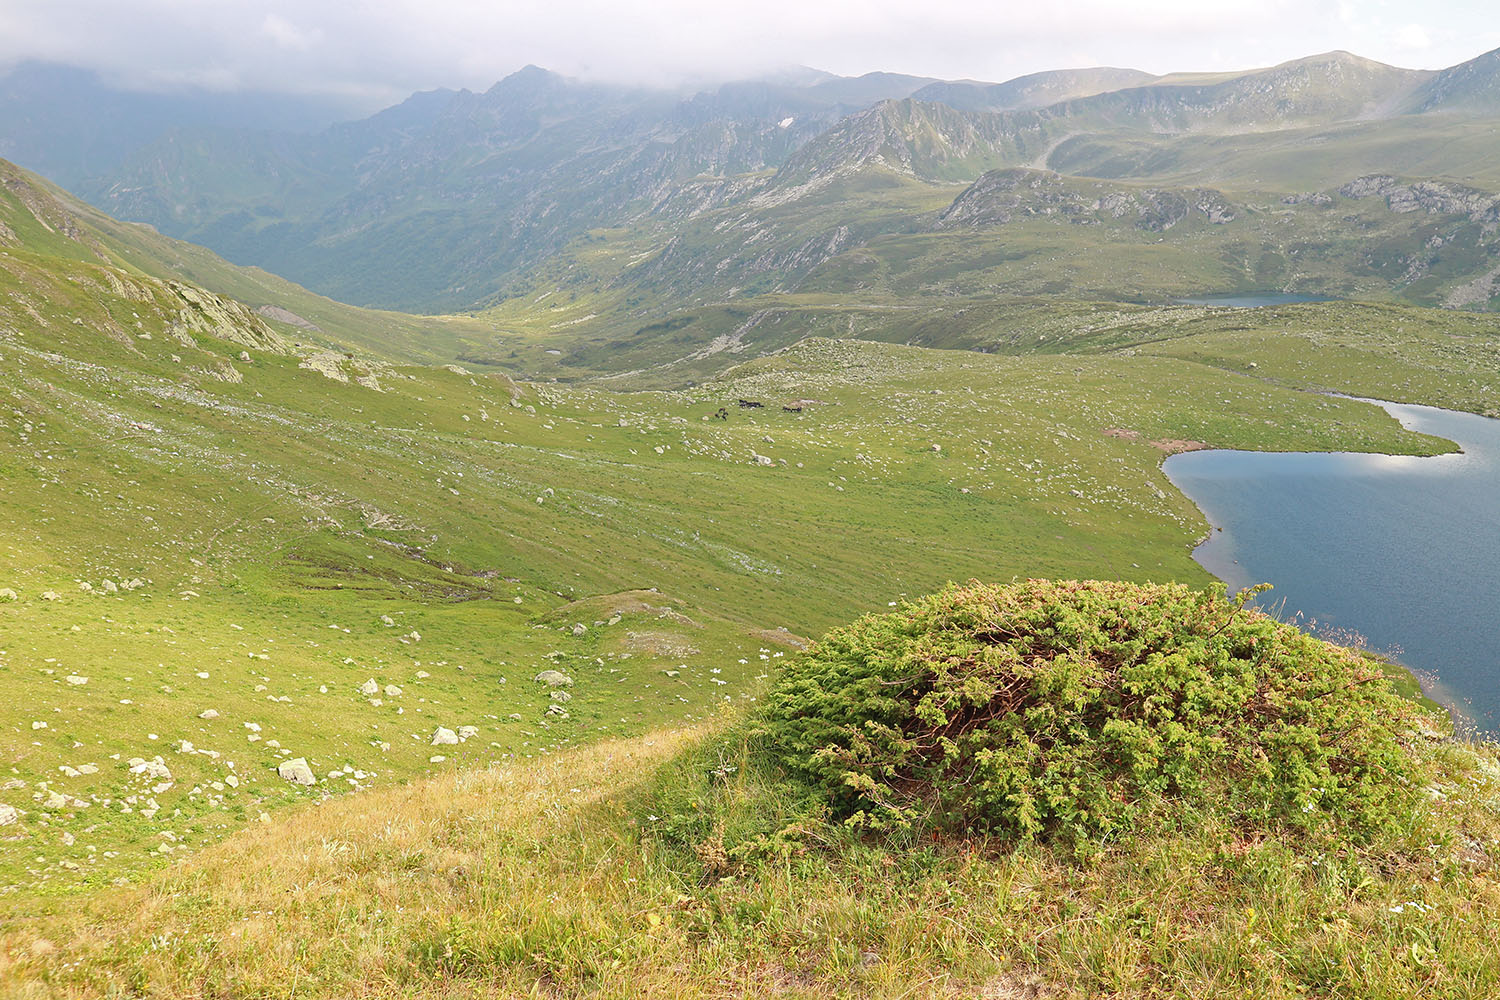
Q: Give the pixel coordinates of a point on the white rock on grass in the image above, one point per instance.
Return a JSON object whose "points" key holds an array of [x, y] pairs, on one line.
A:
{"points": [[553, 678], [369, 687], [50, 595], [387, 621], [153, 768], [391, 691], [9, 815], [108, 586], [297, 771], [208, 713], [467, 732], [6, 594], [76, 680], [444, 737]]}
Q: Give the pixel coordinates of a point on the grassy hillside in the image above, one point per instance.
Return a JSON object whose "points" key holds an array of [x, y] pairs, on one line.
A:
{"points": [[292, 310], [269, 505], [564, 878], [241, 557]]}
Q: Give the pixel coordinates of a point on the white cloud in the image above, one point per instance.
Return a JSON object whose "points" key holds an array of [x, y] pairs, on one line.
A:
{"points": [[388, 48], [1413, 36], [286, 34]]}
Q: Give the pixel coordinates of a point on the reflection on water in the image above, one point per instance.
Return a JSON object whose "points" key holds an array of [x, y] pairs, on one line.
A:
{"points": [[1401, 550], [1251, 301]]}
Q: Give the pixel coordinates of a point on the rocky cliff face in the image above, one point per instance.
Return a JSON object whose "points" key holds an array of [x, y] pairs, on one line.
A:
{"points": [[1432, 197], [1003, 196]]}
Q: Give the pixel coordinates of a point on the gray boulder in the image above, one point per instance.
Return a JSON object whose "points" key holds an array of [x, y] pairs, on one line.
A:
{"points": [[297, 771]]}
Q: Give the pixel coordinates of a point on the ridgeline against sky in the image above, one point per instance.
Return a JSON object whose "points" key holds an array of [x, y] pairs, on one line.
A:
{"points": [[372, 54]]}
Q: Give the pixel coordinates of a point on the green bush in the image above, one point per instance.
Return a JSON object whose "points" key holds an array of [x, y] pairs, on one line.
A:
{"points": [[1076, 710]]}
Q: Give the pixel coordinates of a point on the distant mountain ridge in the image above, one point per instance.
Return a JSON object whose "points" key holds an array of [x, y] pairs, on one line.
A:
{"points": [[1035, 90], [454, 199], [69, 124]]}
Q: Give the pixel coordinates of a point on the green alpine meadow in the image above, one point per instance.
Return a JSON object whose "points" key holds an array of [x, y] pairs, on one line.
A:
{"points": [[619, 534]]}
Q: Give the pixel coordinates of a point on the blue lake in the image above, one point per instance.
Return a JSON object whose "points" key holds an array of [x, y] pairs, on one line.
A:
{"points": [[1251, 301], [1405, 551]]}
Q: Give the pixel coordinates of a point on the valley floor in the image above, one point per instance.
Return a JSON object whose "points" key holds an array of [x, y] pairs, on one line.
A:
{"points": [[226, 559]]}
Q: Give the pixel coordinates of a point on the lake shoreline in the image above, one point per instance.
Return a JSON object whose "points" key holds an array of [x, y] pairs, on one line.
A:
{"points": [[1256, 503]]}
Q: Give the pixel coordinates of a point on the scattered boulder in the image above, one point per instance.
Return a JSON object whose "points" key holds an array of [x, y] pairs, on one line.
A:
{"points": [[392, 690], [6, 594], [369, 687], [297, 771], [553, 678], [444, 737], [467, 732], [208, 713], [76, 680], [51, 595], [557, 710], [108, 586], [9, 815], [560, 695], [153, 768], [86, 587], [580, 628], [387, 621]]}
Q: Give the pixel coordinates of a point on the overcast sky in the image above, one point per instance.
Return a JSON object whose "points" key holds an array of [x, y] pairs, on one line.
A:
{"points": [[378, 51]]}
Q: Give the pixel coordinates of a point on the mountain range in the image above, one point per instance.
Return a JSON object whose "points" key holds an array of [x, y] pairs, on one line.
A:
{"points": [[455, 200]]}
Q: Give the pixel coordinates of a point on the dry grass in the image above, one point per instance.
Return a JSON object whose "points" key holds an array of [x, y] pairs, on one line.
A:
{"points": [[334, 900], [536, 881]]}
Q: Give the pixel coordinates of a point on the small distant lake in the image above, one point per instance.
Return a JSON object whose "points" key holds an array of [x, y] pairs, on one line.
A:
{"points": [[1405, 551], [1250, 301]]}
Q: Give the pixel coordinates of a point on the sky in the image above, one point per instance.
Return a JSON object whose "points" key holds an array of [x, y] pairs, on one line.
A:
{"points": [[375, 52]]}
